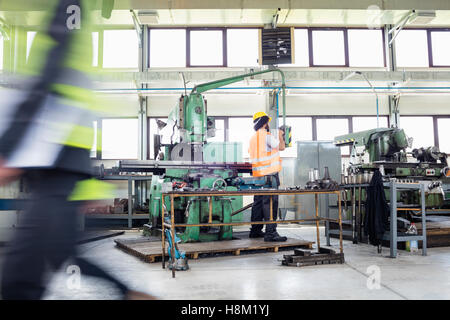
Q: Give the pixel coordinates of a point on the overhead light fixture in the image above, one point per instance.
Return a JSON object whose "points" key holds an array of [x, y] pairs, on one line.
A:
{"points": [[422, 17], [413, 17], [148, 17]]}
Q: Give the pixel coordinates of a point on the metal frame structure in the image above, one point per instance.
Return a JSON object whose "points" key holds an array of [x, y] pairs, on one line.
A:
{"points": [[209, 194], [131, 215], [391, 236]]}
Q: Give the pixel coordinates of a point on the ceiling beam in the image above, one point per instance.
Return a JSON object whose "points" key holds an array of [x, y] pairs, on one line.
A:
{"points": [[33, 5], [284, 4]]}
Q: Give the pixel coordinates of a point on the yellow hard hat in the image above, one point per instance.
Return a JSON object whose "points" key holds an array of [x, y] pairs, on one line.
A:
{"points": [[261, 114]]}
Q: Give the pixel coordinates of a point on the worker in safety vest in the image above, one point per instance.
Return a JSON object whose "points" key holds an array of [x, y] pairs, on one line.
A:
{"points": [[46, 134], [266, 162]]}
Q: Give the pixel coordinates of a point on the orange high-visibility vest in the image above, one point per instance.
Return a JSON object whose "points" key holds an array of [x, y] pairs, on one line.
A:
{"points": [[264, 161]]}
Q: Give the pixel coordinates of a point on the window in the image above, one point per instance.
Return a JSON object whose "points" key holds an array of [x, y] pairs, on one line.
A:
{"points": [[328, 48], [220, 131], [440, 47], [119, 139], [365, 48], [153, 129], [420, 129], [206, 48], [94, 145], [301, 131], [242, 47], [444, 134], [367, 123], [30, 39], [412, 48], [167, 48], [120, 49], [301, 48], [95, 49], [241, 130], [328, 129]]}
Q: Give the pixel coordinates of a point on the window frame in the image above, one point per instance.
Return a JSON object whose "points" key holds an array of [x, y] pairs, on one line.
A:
{"points": [[436, 128], [224, 46], [244, 27], [100, 137], [101, 52], [149, 41], [383, 39], [311, 48], [430, 46]]}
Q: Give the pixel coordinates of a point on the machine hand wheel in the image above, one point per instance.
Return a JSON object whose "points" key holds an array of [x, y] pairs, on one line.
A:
{"points": [[219, 184]]}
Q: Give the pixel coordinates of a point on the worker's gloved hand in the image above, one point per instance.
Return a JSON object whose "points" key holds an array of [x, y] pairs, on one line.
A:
{"points": [[8, 175]]}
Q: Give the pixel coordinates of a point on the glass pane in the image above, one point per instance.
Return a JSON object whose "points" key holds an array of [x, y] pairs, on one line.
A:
{"points": [[301, 131], [120, 49], [30, 38], [94, 146], [120, 139], [328, 129], [206, 48], [154, 130], [95, 49], [367, 123], [441, 48], [241, 130], [301, 46], [420, 129], [220, 131], [444, 134], [412, 48], [328, 48], [365, 48], [242, 47], [167, 48]]}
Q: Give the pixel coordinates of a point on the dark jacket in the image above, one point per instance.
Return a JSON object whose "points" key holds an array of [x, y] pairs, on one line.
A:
{"points": [[376, 219]]}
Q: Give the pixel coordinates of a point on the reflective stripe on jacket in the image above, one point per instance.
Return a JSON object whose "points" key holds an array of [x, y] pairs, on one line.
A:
{"points": [[264, 159], [58, 109]]}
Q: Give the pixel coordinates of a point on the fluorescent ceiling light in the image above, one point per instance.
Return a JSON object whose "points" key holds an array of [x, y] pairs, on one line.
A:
{"points": [[148, 17]]}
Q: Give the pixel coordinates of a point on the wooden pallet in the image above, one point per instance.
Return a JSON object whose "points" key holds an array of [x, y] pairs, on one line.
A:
{"points": [[302, 258], [150, 251]]}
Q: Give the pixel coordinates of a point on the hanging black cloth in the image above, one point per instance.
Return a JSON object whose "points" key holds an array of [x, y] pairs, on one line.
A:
{"points": [[376, 219]]}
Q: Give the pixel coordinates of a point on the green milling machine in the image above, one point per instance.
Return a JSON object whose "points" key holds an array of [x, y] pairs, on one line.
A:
{"points": [[188, 162], [384, 149]]}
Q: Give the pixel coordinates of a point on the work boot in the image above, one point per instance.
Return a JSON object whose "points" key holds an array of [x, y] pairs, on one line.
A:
{"points": [[256, 234], [136, 295], [274, 237]]}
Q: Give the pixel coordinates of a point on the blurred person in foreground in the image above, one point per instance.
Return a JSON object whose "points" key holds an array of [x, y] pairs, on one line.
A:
{"points": [[45, 137]]}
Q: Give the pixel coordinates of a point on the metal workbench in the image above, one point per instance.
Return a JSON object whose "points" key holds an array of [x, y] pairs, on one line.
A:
{"points": [[392, 236], [172, 225]]}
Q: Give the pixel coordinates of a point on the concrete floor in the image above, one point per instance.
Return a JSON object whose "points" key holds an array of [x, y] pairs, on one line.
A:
{"points": [[261, 276]]}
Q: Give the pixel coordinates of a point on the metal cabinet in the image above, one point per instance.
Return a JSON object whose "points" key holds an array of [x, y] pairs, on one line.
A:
{"points": [[316, 154]]}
